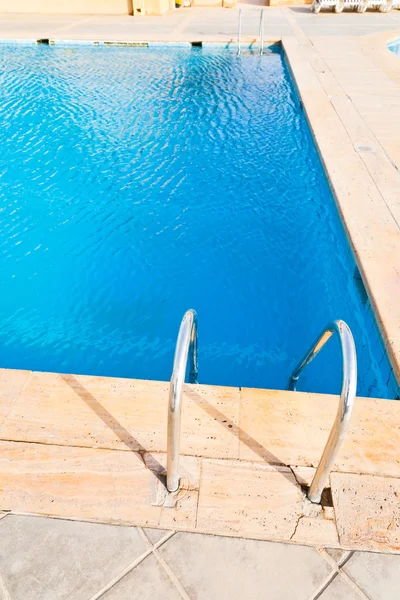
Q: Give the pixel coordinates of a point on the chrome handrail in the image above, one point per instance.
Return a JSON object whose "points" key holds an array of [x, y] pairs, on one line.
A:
{"points": [[239, 30], [347, 395], [262, 32], [186, 345]]}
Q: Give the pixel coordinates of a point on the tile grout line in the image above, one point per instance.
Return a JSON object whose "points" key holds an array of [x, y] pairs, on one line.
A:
{"points": [[371, 133], [335, 566], [198, 493], [121, 575], [338, 566], [171, 575], [331, 561], [327, 582], [167, 537], [345, 558], [135, 563], [324, 585], [160, 542], [163, 564], [348, 98], [352, 584], [328, 558]]}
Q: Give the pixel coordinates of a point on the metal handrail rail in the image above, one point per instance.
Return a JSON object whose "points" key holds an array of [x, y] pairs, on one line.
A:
{"points": [[186, 345], [262, 32], [347, 395], [239, 30]]}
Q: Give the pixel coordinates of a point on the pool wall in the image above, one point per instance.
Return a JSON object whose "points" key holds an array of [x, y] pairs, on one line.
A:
{"points": [[370, 226]]}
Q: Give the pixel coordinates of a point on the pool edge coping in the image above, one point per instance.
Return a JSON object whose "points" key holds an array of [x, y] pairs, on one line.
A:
{"points": [[148, 40], [315, 101], [101, 440]]}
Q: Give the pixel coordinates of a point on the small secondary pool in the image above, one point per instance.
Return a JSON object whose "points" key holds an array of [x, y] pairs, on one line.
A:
{"points": [[395, 46], [137, 183]]}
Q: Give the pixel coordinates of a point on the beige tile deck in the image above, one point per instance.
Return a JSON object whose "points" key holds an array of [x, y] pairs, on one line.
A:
{"points": [[316, 532], [10, 390], [99, 485], [120, 413], [288, 428], [225, 497], [373, 215], [236, 498], [351, 93], [51, 461], [270, 426], [251, 500]]}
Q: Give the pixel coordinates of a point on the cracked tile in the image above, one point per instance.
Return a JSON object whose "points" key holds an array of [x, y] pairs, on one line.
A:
{"points": [[316, 531], [248, 499]]}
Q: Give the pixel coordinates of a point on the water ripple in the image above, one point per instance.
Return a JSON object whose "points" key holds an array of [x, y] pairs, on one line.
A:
{"points": [[136, 183]]}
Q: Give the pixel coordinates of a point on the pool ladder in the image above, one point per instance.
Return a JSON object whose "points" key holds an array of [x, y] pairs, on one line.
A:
{"points": [[186, 347], [261, 32], [347, 396]]}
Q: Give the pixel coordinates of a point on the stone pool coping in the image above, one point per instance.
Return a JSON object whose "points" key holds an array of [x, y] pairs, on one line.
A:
{"points": [[370, 216], [93, 448], [365, 184]]}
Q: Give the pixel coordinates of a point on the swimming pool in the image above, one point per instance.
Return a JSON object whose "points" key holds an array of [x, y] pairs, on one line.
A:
{"points": [[137, 183]]}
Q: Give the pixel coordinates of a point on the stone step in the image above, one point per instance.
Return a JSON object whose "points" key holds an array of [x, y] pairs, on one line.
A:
{"points": [[93, 448]]}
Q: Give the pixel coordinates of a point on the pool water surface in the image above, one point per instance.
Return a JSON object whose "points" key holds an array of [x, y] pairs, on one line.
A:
{"points": [[136, 183]]}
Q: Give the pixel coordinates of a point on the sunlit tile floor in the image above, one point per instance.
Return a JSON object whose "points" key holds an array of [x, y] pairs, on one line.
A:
{"points": [[54, 559]]}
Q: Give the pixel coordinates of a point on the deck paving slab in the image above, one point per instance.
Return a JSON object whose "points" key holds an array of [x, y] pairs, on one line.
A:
{"points": [[214, 567], [57, 559], [51, 559], [367, 511], [377, 575]]}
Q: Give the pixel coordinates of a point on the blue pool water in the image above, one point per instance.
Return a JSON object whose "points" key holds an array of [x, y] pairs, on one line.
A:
{"points": [[138, 183], [395, 46]]}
